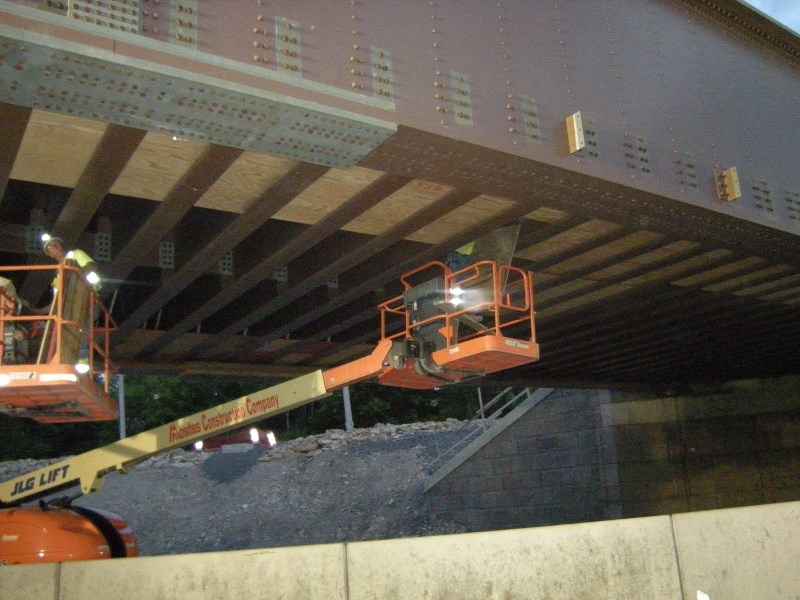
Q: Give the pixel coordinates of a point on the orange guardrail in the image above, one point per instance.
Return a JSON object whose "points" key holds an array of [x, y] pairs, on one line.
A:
{"points": [[474, 321], [55, 367]]}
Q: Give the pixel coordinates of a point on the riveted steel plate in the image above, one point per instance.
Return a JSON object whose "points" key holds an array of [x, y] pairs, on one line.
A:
{"points": [[462, 98], [287, 46], [382, 73], [90, 83], [530, 112], [183, 23], [114, 14], [762, 197]]}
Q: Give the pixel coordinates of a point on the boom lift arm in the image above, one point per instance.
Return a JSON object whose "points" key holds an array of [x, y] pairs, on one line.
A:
{"points": [[88, 470], [453, 326]]}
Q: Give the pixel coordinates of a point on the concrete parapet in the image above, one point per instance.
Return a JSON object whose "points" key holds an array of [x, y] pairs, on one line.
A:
{"points": [[30, 582], [275, 573], [740, 553], [612, 559], [730, 554]]}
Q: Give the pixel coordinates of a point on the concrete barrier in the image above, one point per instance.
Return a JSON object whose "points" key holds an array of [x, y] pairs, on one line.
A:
{"points": [[731, 554], [634, 558], [740, 553], [29, 582]]}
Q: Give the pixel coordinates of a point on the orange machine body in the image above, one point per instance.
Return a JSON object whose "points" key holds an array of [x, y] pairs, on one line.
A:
{"points": [[33, 535]]}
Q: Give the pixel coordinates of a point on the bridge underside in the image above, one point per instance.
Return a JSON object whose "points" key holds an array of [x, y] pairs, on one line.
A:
{"points": [[630, 289], [269, 257]]}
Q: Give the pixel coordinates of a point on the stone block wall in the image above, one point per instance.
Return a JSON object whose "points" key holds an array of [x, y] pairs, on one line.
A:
{"points": [[593, 455], [554, 464], [709, 463]]}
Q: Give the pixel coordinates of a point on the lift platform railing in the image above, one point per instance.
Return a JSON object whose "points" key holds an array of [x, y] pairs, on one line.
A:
{"points": [[457, 326], [483, 299], [69, 345]]}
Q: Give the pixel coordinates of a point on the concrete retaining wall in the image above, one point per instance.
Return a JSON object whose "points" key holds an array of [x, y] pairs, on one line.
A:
{"points": [[552, 464], [731, 554], [589, 455], [702, 453]]}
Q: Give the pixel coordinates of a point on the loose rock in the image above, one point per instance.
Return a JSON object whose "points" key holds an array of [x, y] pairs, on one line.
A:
{"points": [[365, 484]]}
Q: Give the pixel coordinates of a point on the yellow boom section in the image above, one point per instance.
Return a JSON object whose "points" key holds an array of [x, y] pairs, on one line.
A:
{"points": [[89, 469]]}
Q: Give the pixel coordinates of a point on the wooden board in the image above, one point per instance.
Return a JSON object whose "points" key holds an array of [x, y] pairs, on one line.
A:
{"points": [[581, 234], [245, 182], [474, 211], [157, 165], [56, 148], [408, 200], [325, 195], [605, 252]]}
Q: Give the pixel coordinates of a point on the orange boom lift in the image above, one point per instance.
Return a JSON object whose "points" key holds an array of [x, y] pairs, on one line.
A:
{"points": [[42, 374], [447, 327]]}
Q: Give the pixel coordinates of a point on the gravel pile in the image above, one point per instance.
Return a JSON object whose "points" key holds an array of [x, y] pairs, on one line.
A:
{"points": [[339, 486]]}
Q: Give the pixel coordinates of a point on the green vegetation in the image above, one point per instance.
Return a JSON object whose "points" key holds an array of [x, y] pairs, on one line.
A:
{"points": [[154, 400]]}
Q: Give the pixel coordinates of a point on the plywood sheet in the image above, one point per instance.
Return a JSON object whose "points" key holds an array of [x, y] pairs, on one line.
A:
{"points": [[406, 201], [767, 287], [643, 260], [157, 165], [787, 296], [606, 252], [595, 296], [481, 208], [545, 214], [573, 238], [776, 270], [731, 269], [245, 182], [329, 192], [56, 148], [570, 287], [612, 272], [664, 274], [667, 273]]}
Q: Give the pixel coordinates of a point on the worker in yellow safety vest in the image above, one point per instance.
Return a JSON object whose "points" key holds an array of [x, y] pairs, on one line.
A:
{"points": [[54, 248], [460, 258]]}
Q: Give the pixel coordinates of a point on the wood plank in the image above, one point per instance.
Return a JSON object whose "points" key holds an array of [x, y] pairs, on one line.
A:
{"points": [[327, 194], [721, 273], [157, 166], [15, 121], [609, 250], [102, 170], [547, 214], [56, 149], [461, 219], [402, 204], [572, 238], [185, 192], [279, 194], [245, 182]]}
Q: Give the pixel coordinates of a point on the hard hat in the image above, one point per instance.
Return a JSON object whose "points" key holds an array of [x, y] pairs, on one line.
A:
{"points": [[52, 240]]}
